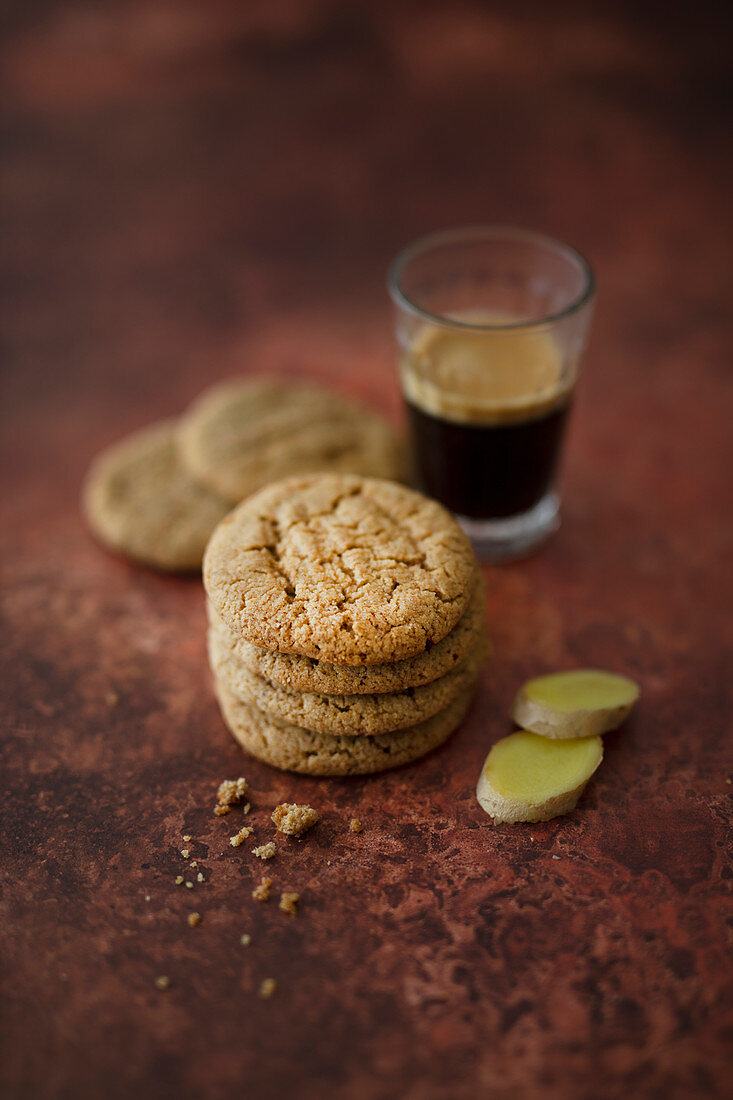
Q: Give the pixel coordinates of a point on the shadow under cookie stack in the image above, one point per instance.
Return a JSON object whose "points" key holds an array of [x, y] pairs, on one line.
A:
{"points": [[346, 624]]}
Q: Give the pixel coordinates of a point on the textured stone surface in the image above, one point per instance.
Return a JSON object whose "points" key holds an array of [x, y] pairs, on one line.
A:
{"points": [[194, 188]]}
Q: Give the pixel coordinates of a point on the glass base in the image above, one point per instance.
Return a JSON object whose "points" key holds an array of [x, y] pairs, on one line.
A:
{"points": [[508, 539]]}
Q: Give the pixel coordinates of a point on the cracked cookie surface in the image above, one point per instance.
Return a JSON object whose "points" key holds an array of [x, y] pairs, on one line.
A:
{"points": [[343, 569], [298, 750], [344, 715], [140, 501], [247, 432], [306, 674]]}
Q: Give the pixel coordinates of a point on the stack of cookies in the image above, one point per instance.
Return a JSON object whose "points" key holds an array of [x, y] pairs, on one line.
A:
{"points": [[157, 495], [346, 624]]}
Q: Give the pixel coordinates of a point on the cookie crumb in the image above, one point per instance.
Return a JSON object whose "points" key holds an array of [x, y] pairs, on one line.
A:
{"points": [[193, 864], [162, 982], [179, 880], [245, 940], [262, 892], [289, 903], [240, 837], [355, 825], [185, 852], [220, 811], [292, 819], [556, 857], [267, 988], [265, 851], [231, 791], [186, 838], [147, 897], [199, 877], [189, 886], [247, 808], [729, 781], [193, 919]]}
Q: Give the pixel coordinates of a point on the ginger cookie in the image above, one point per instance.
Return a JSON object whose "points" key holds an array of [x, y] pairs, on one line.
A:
{"points": [[140, 501], [247, 432], [344, 715], [294, 749], [306, 674], [342, 569]]}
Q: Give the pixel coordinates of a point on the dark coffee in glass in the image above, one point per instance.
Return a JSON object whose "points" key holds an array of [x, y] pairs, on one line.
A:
{"points": [[491, 325], [519, 461]]}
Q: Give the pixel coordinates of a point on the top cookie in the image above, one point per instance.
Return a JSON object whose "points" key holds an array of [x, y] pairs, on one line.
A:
{"points": [[349, 570], [139, 500], [245, 433]]}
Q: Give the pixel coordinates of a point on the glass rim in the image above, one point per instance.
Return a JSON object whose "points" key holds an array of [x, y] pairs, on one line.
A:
{"points": [[476, 232]]}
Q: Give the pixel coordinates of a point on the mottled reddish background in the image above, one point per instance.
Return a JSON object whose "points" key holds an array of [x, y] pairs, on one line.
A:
{"points": [[198, 188]]}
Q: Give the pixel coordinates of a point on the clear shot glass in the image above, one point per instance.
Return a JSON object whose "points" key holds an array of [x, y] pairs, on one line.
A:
{"points": [[491, 324]]}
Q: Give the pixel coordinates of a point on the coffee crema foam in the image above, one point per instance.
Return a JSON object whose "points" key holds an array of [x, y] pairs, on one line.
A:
{"points": [[491, 377]]}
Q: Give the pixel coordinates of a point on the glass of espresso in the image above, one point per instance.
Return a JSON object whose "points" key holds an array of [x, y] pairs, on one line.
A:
{"points": [[491, 325]]}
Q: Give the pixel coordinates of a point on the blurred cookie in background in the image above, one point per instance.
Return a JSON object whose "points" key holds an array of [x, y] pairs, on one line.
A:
{"points": [[246, 432], [139, 500]]}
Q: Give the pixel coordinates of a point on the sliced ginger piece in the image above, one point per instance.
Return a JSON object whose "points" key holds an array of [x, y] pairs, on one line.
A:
{"points": [[581, 703], [526, 777]]}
